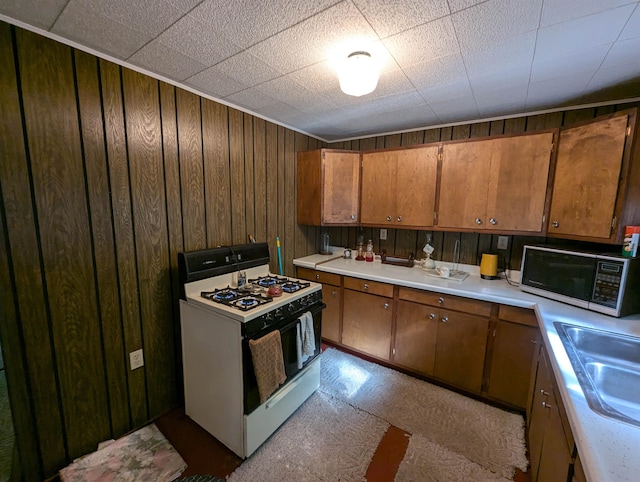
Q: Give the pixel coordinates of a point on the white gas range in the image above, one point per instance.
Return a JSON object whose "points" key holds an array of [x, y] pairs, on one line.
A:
{"points": [[225, 303]]}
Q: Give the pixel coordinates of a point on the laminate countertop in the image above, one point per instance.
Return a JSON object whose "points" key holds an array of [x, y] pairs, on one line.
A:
{"points": [[609, 450]]}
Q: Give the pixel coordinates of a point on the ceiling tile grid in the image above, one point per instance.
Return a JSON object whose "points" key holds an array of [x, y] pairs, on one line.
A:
{"points": [[442, 61]]}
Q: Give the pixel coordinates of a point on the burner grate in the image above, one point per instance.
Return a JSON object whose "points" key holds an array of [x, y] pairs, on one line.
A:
{"points": [[236, 298]]}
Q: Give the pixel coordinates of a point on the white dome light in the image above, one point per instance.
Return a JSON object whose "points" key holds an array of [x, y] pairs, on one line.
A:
{"points": [[358, 74]]}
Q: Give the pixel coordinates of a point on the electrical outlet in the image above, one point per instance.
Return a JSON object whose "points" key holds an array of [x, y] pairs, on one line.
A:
{"points": [[136, 359], [503, 242], [383, 234]]}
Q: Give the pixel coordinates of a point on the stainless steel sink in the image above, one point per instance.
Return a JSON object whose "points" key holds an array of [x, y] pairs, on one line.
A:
{"points": [[607, 366]]}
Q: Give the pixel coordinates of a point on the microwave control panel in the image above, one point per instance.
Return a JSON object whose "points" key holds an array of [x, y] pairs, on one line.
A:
{"points": [[607, 282]]}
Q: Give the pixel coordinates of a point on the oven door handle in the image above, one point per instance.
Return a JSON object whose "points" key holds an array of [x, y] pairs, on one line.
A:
{"points": [[315, 309]]}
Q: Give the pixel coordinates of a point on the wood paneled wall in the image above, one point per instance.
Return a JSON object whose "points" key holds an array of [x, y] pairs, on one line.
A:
{"points": [[105, 175], [472, 245]]}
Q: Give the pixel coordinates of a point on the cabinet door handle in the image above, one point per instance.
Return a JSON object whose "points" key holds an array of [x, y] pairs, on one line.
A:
{"points": [[317, 276], [555, 224], [493, 221], [365, 287], [534, 342], [388, 218], [399, 218], [478, 221], [386, 306], [432, 316], [543, 393], [440, 300], [353, 216], [445, 319], [546, 405], [334, 293]]}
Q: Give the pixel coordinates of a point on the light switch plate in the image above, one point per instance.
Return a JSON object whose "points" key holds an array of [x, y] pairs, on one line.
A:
{"points": [[383, 234], [503, 242], [136, 359]]}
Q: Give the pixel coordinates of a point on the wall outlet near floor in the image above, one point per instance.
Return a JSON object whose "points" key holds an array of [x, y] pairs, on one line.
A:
{"points": [[503, 242], [383, 234], [136, 359]]}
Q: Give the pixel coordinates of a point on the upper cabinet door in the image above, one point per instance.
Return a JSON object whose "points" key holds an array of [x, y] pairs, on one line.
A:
{"points": [[588, 171], [518, 182], [328, 187], [378, 205], [464, 183]]}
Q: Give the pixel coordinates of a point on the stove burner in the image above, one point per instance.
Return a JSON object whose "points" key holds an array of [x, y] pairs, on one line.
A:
{"points": [[288, 285], [293, 286], [235, 298]]}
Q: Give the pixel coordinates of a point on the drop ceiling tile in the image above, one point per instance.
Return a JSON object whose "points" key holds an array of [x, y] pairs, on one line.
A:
{"points": [[161, 59], [590, 31], [514, 52], [250, 99], [490, 81], [626, 90], [573, 62], [632, 28], [426, 42], [281, 111], [389, 18], [284, 89], [147, 16], [623, 53], [437, 71], [216, 83], [456, 110], [457, 5], [509, 100], [247, 69], [184, 5], [320, 77], [35, 12], [446, 91], [557, 11], [249, 22], [558, 91], [482, 26], [334, 31], [82, 24], [195, 39]]}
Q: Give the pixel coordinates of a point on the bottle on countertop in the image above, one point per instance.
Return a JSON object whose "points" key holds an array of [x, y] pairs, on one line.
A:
{"points": [[368, 256], [360, 255]]}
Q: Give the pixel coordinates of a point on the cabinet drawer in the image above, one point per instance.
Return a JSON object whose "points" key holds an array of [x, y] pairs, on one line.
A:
{"points": [[366, 286], [476, 307], [319, 276], [523, 316]]}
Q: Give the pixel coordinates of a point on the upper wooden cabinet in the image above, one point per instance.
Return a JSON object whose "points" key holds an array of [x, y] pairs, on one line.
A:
{"points": [[495, 184], [328, 182], [596, 189], [399, 187]]}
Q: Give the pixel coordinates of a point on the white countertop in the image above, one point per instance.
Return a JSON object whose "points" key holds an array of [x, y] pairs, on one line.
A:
{"points": [[609, 450]]}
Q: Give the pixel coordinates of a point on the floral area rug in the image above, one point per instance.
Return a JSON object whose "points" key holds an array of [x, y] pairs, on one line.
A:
{"points": [[142, 455]]}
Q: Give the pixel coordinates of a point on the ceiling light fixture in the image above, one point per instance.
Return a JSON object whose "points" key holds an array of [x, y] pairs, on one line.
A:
{"points": [[358, 74]]}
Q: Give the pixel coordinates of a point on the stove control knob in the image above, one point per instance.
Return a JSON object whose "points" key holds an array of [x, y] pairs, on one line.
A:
{"points": [[291, 308], [278, 312], [268, 316]]}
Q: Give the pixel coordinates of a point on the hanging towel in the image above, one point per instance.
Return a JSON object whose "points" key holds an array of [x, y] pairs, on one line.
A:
{"points": [[268, 363], [305, 338]]}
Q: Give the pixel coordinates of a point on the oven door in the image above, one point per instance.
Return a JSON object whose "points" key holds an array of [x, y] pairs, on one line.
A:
{"points": [[288, 334]]}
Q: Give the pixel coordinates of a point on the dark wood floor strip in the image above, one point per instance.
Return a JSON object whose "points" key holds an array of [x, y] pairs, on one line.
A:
{"points": [[388, 456]]}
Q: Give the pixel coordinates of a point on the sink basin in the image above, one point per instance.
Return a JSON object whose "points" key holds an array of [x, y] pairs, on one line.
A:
{"points": [[607, 366]]}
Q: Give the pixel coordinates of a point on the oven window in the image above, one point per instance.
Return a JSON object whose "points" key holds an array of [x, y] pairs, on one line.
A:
{"points": [[564, 274]]}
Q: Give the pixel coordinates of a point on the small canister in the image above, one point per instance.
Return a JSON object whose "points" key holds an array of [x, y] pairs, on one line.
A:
{"points": [[631, 241]]}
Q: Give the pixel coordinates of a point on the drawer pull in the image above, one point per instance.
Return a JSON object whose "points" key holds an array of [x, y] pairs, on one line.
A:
{"points": [[445, 319], [317, 276], [432, 316], [365, 287], [534, 342], [440, 300], [555, 224]]}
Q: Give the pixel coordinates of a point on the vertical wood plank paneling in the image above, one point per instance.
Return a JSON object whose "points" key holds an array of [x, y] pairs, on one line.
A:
{"points": [[144, 140], [280, 223], [261, 173], [516, 125], [43, 450], [368, 144], [53, 135], [273, 193], [480, 129], [92, 130], [249, 178], [217, 178], [578, 115], [113, 111], [237, 170], [191, 169], [497, 128], [289, 211], [461, 132], [432, 135], [301, 143]]}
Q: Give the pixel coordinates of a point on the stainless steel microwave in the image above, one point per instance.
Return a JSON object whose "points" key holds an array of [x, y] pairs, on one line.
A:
{"points": [[606, 283]]}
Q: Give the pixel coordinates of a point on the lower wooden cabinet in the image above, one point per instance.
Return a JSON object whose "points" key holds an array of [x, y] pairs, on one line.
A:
{"points": [[416, 332], [332, 297], [515, 342], [460, 349], [550, 439], [367, 318]]}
